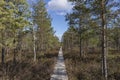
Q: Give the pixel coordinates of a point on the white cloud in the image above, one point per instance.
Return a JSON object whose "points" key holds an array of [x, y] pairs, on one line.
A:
{"points": [[61, 7], [60, 13]]}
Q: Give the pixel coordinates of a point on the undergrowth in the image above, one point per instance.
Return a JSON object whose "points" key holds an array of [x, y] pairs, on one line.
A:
{"points": [[27, 69], [89, 66]]}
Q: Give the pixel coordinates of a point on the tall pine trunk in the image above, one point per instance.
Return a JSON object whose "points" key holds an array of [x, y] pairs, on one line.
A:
{"points": [[80, 39], [104, 44], [14, 53], [3, 55], [34, 45], [3, 50], [80, 44]]}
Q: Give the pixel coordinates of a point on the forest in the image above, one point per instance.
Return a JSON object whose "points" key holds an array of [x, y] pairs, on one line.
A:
{"points": [[92, 41], [29, 47]]}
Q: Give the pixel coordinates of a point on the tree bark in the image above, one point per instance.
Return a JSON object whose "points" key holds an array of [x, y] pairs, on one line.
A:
{"points": [[34, 45], [104, 45], [14, 53], [3, 49], [80, 39], [3, 55], [80, 46]]}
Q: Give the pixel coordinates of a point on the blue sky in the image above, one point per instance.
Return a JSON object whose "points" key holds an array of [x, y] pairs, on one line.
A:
{"points": [[59, 24], [57, 10]]}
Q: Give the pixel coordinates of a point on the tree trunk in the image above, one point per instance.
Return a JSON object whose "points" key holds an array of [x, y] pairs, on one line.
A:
{"points": [[71, 46], [34, 45], [80, 39], [3, 55], [104, 45], [14, 56], [3, 49], [80, 46], [14, 53]]}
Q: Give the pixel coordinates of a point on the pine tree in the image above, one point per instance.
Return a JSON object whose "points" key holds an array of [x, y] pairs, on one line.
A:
{"points": [[79, 19], [43, 30], [12, 21]]}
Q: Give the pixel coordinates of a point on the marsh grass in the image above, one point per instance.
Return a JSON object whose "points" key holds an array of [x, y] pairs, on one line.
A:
{"points": [[89, 67]]}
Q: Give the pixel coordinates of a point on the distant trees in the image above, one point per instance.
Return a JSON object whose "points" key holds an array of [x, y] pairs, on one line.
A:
{"points": [[45, 38], [93, 21]]}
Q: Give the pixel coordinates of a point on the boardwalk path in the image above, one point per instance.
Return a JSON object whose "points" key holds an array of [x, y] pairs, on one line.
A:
{"points": [[59, 70]]}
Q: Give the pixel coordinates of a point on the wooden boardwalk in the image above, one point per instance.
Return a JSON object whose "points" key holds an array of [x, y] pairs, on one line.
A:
{"points": [[59, 70]]}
